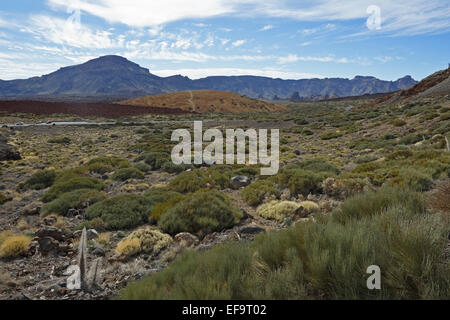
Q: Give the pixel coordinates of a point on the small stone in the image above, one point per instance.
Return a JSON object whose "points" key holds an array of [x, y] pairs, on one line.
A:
{"points": [[92, 234], [251, 230], [98, 252], [239, 182]]}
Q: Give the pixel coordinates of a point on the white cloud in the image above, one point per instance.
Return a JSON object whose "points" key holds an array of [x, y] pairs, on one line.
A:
{"points": [[398, 17], [267, 27], [292, 58], [238, 43], [198, 73], [69, 32]]}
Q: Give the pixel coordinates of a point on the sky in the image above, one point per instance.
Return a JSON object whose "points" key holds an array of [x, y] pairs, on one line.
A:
{"points": [[279, 39]]}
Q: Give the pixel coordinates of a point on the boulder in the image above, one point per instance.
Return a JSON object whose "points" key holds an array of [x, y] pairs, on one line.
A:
{"points": [[52, 232], [251, 230], [239, 182], [186, 239], [6, 151], [47, 245], [92, 234]]}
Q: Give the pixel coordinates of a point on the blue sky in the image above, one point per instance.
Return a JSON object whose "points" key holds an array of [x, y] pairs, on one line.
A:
{"points": [[281, 39]]}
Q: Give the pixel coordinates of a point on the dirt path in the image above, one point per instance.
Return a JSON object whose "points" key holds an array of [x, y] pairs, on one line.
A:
{"points": [[191, 101]]}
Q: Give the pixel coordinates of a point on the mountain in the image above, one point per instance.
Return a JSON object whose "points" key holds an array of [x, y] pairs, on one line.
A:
{"points": [[205, 101], [435, 85], [116, 78]]}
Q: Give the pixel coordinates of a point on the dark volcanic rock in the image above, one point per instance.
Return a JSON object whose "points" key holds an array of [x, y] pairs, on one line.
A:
{"points": [[7, 152]]}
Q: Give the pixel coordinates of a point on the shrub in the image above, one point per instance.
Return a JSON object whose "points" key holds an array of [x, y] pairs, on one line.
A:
{"points": [[128, 247], [399, 155], [316, 260], [398, 123], [192, 181], [161, 208], [3, 199], [439, 199], [170, 167], [413, 179], [14, 246], [277, 210], [142, 166], [127, 173], [40, 180], [149, 240], [77, 199], [76, 183], [255, 193], [331, 135], [121, 212], [314, 165], [61, 140], [376, 202], [156, 159], [342, 188], [200, 213], [300, 181], [310, 206], [107, 163]]}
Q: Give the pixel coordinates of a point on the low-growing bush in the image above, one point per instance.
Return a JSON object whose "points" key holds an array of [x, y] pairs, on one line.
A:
{"points": [[413, 179], [376, 202], [398, 122], [142, 166], [200, 213], [331, 135], [121, 212], [13, 246], [40, 180], [60, 140], [76, 183], [192, 181], [156, 159], [277, 210], [127, 173], [301, 181], [77, 199], [255, 193], [311, 260], [149, 240], [162, 207]]}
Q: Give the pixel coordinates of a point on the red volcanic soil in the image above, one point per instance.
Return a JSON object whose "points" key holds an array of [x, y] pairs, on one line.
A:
{"points": [[82, 109]]}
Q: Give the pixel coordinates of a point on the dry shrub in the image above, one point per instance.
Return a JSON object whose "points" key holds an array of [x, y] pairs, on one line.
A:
{"points": [[439, 199], [14, 246]]}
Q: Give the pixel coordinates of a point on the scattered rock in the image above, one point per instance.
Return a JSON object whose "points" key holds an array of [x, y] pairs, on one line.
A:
{"points": [[186, 239], [47, 245], [98, 252], [52, 232], [92, 234], [32, 209], [251, 230], [239, 182]]}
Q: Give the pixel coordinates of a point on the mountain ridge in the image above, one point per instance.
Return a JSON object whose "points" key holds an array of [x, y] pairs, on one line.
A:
{"points": [[115, 77]]}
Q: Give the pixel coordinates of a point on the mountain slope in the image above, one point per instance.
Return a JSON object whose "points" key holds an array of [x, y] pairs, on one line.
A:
{"points": [[435, 85], [114, 77], [205, 101]]}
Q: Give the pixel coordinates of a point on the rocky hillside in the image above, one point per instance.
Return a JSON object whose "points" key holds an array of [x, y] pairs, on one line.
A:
{"points": [[435, 85], [205, 101], [115, 78]]}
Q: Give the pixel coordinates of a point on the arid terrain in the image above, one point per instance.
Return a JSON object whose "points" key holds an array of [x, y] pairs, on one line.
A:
{"points": [[347, 167], [203, 101]]}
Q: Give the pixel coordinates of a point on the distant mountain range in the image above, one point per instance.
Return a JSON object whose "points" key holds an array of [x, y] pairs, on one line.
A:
{"points": [[112, 78]]}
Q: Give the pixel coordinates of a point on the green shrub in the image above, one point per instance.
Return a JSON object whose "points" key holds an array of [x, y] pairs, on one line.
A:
{"points": [[40, 180], [318, 260], [170, 167], [149, 240], [121, 212], [156, 159], [255, 193], [192, 181], [142, 166], [61, 140], [76, 183], [413, 179], [162, 207], [3, 199], [398, 123], [399, 155], [376, 202], [77, 199], [103, 165], [127, 173], [277, 210], [301, 181], [331, 135], [200, 213]]}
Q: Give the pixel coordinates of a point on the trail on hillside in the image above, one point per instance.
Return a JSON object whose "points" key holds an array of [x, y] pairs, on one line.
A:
{"points": [[191, 101]]}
